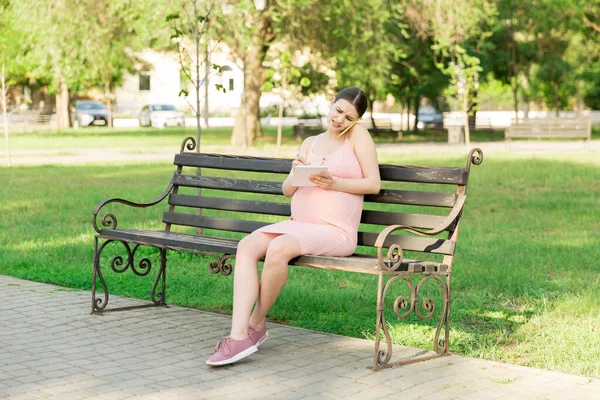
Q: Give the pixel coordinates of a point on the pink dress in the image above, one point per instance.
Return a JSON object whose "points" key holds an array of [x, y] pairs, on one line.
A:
{"points": [[325, 222]]}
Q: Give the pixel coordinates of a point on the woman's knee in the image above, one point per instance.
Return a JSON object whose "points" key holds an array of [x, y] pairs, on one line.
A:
{"points": [[282, 249], [252, 246]]}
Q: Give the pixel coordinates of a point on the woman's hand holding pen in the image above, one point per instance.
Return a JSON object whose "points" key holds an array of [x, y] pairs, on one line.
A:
{"points": [[299, 160], [323, 180]]}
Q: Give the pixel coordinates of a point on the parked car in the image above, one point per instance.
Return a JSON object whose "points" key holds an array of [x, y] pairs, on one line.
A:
{"points": [[88, 113], [160, 116], [428, 115]]}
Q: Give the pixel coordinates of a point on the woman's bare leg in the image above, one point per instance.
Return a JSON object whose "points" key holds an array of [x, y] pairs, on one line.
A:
{"points": [[245, 281], [274, 275]]}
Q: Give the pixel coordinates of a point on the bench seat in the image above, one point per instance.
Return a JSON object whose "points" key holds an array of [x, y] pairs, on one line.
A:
{"points": [[196, 243]]}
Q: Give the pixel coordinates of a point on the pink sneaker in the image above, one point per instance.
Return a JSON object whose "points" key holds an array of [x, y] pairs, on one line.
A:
{"points": [[229, 350], [258, 337]]}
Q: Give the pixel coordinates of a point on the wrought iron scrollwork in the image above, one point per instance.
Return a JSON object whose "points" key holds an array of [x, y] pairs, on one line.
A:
{"points": [[221, 265], [109, 220], [475, 157], [190, 146], [120, 264], [144, 265], [393, 258], [403, 307]]}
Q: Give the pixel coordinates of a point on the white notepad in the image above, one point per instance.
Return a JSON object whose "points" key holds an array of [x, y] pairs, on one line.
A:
{"points": [[303, 172]]}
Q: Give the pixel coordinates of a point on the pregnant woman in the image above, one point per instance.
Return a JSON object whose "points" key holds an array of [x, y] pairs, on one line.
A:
{"points": [[324, 221]]}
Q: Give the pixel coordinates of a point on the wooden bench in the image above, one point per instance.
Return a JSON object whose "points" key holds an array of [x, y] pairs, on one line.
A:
{"points": [[241, 194], [538, 128], [28, 121], [308, 127], [379, 126]]}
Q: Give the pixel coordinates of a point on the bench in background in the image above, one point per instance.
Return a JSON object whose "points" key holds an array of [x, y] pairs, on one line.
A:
{"points": [[539, 128], [308, 127], [419, 210], [380, 126]]}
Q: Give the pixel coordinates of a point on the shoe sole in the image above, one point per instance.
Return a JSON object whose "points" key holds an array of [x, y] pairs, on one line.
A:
{"points": [[263, 339], [239, 356]]}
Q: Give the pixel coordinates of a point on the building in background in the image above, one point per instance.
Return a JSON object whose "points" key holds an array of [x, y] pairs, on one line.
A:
{"points": [[160, 80]]}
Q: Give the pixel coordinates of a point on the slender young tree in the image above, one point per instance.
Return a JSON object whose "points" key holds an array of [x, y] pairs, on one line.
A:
{"points": [[4, 27], [190, 29]]}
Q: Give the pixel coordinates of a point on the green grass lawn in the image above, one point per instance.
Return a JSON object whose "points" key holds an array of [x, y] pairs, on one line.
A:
{"points": [[526, 287]]}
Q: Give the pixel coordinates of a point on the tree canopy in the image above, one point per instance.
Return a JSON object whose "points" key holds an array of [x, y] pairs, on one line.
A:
{"points": [[545, 51]]}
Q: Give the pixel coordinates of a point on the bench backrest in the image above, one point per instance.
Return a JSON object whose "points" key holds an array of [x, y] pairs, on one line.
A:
{"points": [[241, 194], [550, 127]]}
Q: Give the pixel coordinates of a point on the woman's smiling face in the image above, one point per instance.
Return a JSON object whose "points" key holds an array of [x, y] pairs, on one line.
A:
{"points": [[341, 114]]}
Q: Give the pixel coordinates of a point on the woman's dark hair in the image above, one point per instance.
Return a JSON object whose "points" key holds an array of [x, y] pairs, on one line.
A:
{"points": [[356, 97]]}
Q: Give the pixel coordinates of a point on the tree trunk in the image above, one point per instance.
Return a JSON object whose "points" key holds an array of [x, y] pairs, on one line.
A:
{"points": [[281, 105], [254, 76], [62, 103], [514, 72], [515, 93], [206, 74], [238, 135], [401, 130], [375, 128], [525, 86], [417, 100], [5, 123], [252, 83], [472, 110], [108, 104], [465, 106]]}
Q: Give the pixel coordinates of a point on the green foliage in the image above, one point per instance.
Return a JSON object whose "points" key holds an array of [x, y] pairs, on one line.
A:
{"points": [[87, 44]]}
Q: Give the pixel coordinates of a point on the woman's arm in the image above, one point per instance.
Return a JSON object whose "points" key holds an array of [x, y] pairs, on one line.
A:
{"points": [[289, 190], [365, 151]]}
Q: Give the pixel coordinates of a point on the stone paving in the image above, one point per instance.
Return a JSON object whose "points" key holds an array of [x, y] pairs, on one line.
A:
{"points": [[51, 347]]}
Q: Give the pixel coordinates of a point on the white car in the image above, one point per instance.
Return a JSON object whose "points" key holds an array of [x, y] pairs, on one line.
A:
{"points": [[161, 115]]}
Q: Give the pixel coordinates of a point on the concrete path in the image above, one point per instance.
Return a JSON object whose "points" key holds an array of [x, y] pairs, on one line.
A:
{"points": [[567, 150], [52, 348]]}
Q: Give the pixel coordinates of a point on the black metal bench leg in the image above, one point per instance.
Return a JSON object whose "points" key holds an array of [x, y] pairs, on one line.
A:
{"points": [[159, 298], [381, 357], [99, 303]]}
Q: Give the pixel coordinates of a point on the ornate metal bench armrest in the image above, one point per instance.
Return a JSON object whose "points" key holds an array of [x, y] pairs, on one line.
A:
{"points": [[394, 253], [109, 221]]}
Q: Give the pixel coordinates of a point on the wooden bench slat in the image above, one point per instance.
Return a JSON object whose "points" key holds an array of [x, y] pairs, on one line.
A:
{"points": [[410, 243], [224, 224], [236, 185], [239, 163], [436, 199], [416, 198], [433, 245], [173, 240], [271, 208], [219, 203], [443, 175], [421, 221]]}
